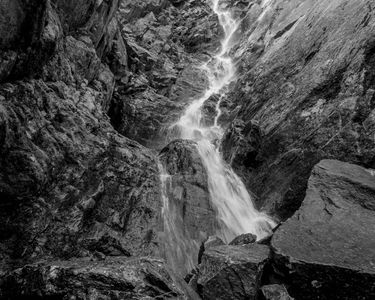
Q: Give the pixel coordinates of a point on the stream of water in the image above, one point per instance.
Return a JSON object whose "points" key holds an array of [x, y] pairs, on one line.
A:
{"points": [[232, 202]]}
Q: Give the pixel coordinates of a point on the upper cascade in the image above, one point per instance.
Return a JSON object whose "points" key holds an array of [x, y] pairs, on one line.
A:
{"points": [[235, 209]]}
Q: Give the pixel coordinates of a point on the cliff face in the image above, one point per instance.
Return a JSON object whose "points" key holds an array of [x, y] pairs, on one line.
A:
{"points": [[88, 91], [70, 185], [307, 85]]}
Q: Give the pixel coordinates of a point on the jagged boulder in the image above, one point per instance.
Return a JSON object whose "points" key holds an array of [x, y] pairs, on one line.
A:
{"points": [[232, 272], [327, 250], [212, 241], [188, 210], [243, 239], [120, 278], [275, 292]]}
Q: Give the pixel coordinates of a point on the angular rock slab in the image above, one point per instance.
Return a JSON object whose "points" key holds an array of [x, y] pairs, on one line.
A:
{"points": [[275, 292], [328, 247], [122, 278], [232, 272], [189, 217]]}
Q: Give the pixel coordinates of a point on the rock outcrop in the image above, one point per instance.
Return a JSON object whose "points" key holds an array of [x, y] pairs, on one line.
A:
{"points": [[327, 249], [188, 213], [70, 185], [232, 272], [306, 78], [166, 42], [117, 278]]}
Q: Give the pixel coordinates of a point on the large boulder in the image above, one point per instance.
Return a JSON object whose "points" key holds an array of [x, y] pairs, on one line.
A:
{"points": [[188, 213], [232, 272], [275, 292], [327, 249], [120, 278]]}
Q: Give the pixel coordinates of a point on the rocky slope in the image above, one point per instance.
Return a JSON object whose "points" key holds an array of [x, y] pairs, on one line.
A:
{"points": [[305, 92]]}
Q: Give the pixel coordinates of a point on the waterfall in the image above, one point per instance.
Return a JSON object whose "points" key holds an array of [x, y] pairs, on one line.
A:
{"points": [[233, 204]]}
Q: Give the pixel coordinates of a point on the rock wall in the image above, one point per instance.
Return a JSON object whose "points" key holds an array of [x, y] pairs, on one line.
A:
{"points": [[306, 80], [70, 185]]}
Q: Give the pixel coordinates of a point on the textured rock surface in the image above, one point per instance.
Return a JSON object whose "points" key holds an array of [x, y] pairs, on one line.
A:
{"points": [[275, 292], [243, 239], [70, 185], [189, 213], [165, 44], [327, 249], [68, 179], [80, 79], [121, 278], [232, 272], [306, 78]]}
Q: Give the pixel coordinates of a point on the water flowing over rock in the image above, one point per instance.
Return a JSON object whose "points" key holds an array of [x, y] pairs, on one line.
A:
{"points": [[189, 217], [327, 249], [166, 43], [138, 138], [229, 196]]}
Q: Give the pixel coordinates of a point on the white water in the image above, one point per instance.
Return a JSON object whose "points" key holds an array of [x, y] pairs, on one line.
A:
{"points": [[235, 209], [179, 249]]}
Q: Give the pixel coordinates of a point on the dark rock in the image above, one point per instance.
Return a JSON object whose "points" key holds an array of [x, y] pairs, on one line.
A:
{"points": [[162, 77], [121, 278], [188, 212], [68, 178], [232, 272], [241, 144], [243, 239], [275, 292], [326, 250], [309, 103], [212, 241], [142, 116]]}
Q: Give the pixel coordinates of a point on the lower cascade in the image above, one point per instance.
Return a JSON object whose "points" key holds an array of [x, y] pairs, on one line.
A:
{"points": [[235, 211]]}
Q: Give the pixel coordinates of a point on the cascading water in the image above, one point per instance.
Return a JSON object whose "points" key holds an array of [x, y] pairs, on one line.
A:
{"points": [[235, 210]]}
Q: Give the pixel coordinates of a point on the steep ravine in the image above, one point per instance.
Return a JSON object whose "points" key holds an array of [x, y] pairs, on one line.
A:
{"points": [[123, 125]]}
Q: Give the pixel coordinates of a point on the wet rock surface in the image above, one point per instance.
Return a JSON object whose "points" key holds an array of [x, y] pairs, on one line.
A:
{"points": [[326, 250], [306, 78], [165, 42], [189, 209], [232, 272], [85, 85]]}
